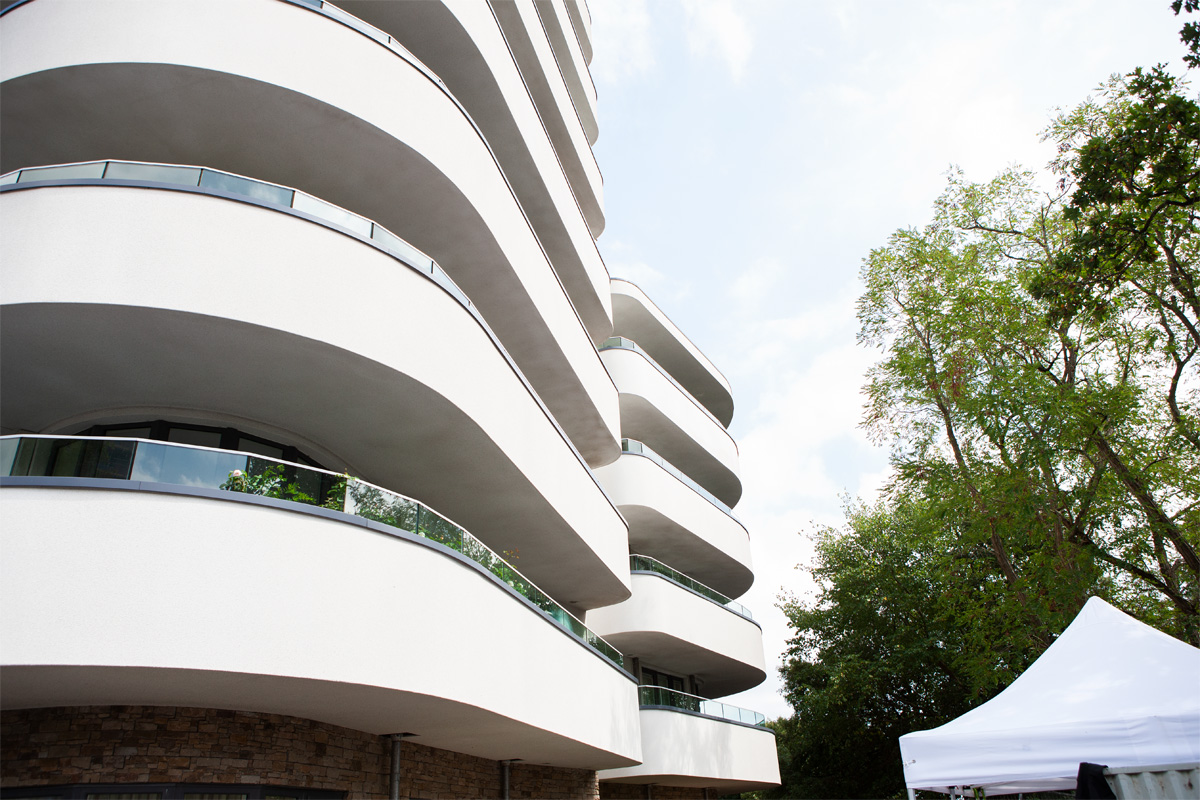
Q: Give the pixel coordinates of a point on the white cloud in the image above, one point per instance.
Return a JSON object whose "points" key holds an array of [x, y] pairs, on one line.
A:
{"points": [[621, 35], [715, 27]]}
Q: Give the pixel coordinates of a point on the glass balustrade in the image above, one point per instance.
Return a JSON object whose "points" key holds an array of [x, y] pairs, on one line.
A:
{"points": [[634, 447], [238, 472], [261, 192], [660, 696], [647, 564]]}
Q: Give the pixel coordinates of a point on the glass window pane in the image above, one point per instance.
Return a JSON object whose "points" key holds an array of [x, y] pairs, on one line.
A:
{"points": [[8, 453], [394, 244], [331, 213], [137, 432], [11, 177], [267, 193], [248, 445], [182, 466], [159, 173], [189, 436], [115, 459], [67, 172]]}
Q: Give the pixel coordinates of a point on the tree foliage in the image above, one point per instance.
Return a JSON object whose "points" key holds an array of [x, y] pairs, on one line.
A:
{"points": [[1039, 390], [875, 658]]}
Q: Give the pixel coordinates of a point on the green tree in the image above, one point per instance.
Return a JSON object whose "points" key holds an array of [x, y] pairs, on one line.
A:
{"points": [[1051, 392], [876, 655], [1190, 34]]}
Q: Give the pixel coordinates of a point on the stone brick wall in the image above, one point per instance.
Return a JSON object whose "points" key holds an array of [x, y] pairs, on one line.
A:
{"points": [[637, 791], [142, 744]]}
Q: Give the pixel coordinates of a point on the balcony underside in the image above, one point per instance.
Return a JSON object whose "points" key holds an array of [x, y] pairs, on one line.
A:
{"points": [[635, 316], [227, 589], [456, 42], [128, 303], [289, 96], [681, 749], [675, 630]]}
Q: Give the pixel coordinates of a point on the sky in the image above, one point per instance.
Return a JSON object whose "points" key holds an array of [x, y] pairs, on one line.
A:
{"points": [[754, 151]]}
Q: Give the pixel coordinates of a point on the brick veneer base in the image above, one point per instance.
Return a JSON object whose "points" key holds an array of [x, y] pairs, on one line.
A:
{"points": [[146, 744]]}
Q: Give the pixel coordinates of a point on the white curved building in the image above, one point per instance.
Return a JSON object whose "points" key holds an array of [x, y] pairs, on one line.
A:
{"points": [[333, 462]]}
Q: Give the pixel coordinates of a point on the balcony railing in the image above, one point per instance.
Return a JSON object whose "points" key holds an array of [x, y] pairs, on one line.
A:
{"points": [[634, 447], [647, 564], [237, 472], [659, 697], [261, 192], [621, 343]]}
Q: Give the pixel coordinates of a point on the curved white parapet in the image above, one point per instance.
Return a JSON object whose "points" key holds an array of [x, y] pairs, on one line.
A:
{"points": [[636, 316], [533, 53], [280, 92], [682, 749], [658, 412], [676, 630], [670, 521], [581, 21], [190, 304], [571, 63], [542, 149], [227, 591]]}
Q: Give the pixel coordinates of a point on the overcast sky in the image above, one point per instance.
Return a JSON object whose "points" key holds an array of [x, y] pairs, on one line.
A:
{"points": [[754, 151]]}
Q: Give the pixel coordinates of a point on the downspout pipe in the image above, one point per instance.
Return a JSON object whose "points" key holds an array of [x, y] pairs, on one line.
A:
{"points": [[394, 775], [505, 767]]}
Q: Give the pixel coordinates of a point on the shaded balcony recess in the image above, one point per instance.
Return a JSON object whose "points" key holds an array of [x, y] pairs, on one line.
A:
{"points": [[622, 343], [670, 699], [142, 461], [636, 448], [652, 566]]}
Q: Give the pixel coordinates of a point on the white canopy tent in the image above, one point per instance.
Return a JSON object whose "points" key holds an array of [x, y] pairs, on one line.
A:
{"points": [[1110, 690]]}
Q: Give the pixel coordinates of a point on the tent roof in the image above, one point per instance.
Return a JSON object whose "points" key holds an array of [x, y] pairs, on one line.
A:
{"points": [[1110, 690]]}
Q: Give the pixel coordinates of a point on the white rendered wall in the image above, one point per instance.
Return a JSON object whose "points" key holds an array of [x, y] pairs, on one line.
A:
{"points": [[381, 139], [656, 412], [346, 346], [680, 749], [674, 629], [670, 521], [169, 600]]}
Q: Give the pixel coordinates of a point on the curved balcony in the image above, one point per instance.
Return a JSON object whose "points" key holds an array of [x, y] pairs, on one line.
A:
{"points": [[673, 519], [581, 21], [636, 316], [134, 298], [652, 566], [571, 63], [657, 410], [681, 631], [542, 149], [238, 588], [690, 741], [295, 96], [535, 57], [141, 462]]}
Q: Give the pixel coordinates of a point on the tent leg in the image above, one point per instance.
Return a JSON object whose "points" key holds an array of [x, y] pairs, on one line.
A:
{"points": [[912, 795]]}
